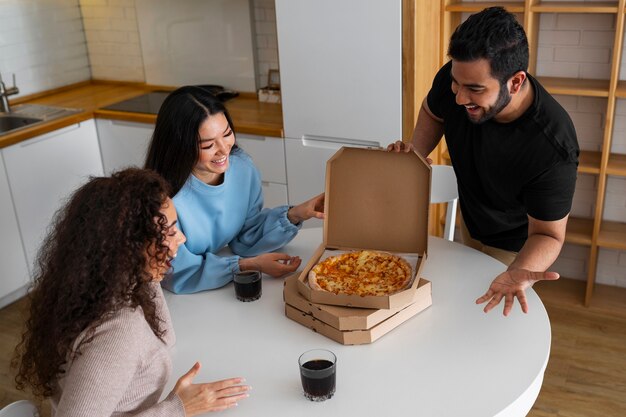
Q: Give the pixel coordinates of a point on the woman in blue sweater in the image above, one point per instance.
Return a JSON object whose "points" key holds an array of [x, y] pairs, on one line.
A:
{"points": [[218, 197]]}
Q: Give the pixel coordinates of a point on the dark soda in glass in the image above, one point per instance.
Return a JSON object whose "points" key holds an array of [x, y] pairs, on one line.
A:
{"points": [[248, 285], [318, 379]]}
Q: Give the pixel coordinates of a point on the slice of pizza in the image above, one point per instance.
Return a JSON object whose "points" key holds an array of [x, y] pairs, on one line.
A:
{"points": [[361, 273]]}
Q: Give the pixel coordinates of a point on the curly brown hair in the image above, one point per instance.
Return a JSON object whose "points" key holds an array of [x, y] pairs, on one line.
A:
{"points": [[94, 262]]}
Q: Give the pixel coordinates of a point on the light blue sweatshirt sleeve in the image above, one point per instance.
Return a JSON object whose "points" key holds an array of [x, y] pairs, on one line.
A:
{"points": [[264, 230], [230, 214], [194, 273]]}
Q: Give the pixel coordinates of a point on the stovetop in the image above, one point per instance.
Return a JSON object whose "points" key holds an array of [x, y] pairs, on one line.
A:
{"points": [[150, 103]]}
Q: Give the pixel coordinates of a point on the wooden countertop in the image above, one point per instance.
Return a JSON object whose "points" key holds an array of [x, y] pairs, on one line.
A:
{"points": [[248, 114]]}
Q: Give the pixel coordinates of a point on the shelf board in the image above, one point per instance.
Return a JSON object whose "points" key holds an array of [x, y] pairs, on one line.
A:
{"points": [[575, 86], [575, 7], [589, 162], [612, 235], [617, 165], [513, 7], [620, 92], [579, 231]]}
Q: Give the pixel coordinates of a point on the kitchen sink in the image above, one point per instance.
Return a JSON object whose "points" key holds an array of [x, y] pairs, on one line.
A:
{"points": [[25, 115], [9, 123]]}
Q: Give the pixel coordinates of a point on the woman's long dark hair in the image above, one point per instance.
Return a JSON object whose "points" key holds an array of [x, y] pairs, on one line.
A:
{"points": [[94, 262], [174, 149]]}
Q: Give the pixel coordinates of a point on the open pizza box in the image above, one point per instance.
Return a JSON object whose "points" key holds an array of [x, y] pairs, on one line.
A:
{"points": [[375, 200]]}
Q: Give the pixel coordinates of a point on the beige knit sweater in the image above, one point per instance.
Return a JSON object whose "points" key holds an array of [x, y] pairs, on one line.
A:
{"points": [[122, 371]]}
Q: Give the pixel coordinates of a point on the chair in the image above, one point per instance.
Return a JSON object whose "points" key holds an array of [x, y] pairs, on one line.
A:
{"points": [[444, 189], [22, 408]]}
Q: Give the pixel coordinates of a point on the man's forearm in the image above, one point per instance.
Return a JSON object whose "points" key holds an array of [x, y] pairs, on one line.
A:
{"points": [[427, 133], [538, 253]]}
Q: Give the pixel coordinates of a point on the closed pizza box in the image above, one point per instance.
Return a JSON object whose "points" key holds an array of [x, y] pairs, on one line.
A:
{"points": [[359, 337], [348, 318], [375, 200]]}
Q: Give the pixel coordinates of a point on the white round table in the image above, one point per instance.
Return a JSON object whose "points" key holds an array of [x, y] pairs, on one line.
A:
{"points": [[449, 360]]}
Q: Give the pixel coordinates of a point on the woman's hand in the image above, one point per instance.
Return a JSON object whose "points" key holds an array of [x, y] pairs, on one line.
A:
{"points": [[212, 396], [273, 264], [304, 211]]}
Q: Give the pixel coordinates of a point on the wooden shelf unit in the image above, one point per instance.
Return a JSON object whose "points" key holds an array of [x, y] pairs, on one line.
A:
{"points": [[594, 233]]}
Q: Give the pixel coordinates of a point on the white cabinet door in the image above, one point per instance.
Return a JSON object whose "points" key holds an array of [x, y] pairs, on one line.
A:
{"points": [[306, 167], [13, 268], [341, 68], [123, 144], [44, 171], [268, 155], [274, 195]]}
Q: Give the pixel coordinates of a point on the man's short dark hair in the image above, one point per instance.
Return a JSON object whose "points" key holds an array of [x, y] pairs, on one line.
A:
{"points": [[495, 35]]}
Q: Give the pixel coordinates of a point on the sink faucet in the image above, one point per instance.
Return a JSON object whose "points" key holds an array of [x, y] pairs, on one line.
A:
{"points": [[5, 93]]}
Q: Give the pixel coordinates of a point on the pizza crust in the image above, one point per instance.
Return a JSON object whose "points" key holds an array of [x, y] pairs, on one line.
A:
{"points": [[363, 281]]}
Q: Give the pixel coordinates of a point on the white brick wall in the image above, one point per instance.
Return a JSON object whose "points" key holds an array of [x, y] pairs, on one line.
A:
{"points": [[43, 43], [618, 142], [584, 203], [572, 262], [575, 45], [266, 41], [113, 39], [588, 115]]}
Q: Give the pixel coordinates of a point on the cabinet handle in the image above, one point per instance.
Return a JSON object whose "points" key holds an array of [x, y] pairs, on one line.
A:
{"points": [[329, 142], [50, 135]]}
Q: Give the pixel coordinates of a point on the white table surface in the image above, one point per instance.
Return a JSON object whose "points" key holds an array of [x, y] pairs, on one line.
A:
{"points": [[449, 360]]}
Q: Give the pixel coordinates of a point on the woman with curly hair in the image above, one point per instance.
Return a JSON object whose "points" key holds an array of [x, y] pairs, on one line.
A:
{"points": [[218, 196], [98, 336]]}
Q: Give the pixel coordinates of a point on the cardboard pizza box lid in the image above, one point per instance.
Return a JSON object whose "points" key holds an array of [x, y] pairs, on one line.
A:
{"points": [[377, 200], [359, 337], [345, 318]]}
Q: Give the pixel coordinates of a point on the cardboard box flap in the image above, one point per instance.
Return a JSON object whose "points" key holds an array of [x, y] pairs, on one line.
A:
{"points": [[377, 200]]}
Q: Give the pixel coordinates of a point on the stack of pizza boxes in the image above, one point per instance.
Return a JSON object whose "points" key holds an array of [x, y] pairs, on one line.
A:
{"points": [[375, 200]]}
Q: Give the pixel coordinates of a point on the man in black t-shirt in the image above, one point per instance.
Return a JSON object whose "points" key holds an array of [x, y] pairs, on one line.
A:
{"points": [[512, 146]]}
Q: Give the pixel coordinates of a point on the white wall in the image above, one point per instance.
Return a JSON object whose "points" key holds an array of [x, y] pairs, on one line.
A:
{"points": [[43, 43], [113, 39], [114, 45]]}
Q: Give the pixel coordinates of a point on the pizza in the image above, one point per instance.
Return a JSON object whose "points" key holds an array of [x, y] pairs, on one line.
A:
{"points": [[361, 273]]}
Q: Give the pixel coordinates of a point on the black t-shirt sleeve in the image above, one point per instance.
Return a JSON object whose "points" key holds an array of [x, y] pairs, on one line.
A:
{"points": [[440, 88], [549, 196]]}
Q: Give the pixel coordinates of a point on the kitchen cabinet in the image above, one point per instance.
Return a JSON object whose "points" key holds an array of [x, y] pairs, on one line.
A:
{"points": [[306, 167], [44, 171], [123, 144], [13, 267], [341, 68], [268, 155]]}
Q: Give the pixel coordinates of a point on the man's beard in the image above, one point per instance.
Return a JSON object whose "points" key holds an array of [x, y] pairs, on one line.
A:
{"points": [[503, 100]]}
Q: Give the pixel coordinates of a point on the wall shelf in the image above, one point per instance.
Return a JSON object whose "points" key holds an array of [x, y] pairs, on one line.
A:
{"points": [[617, 165], [575, 86], [575, 7], [579, 231], [589, 162], [612, 235], [513, 7]]}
